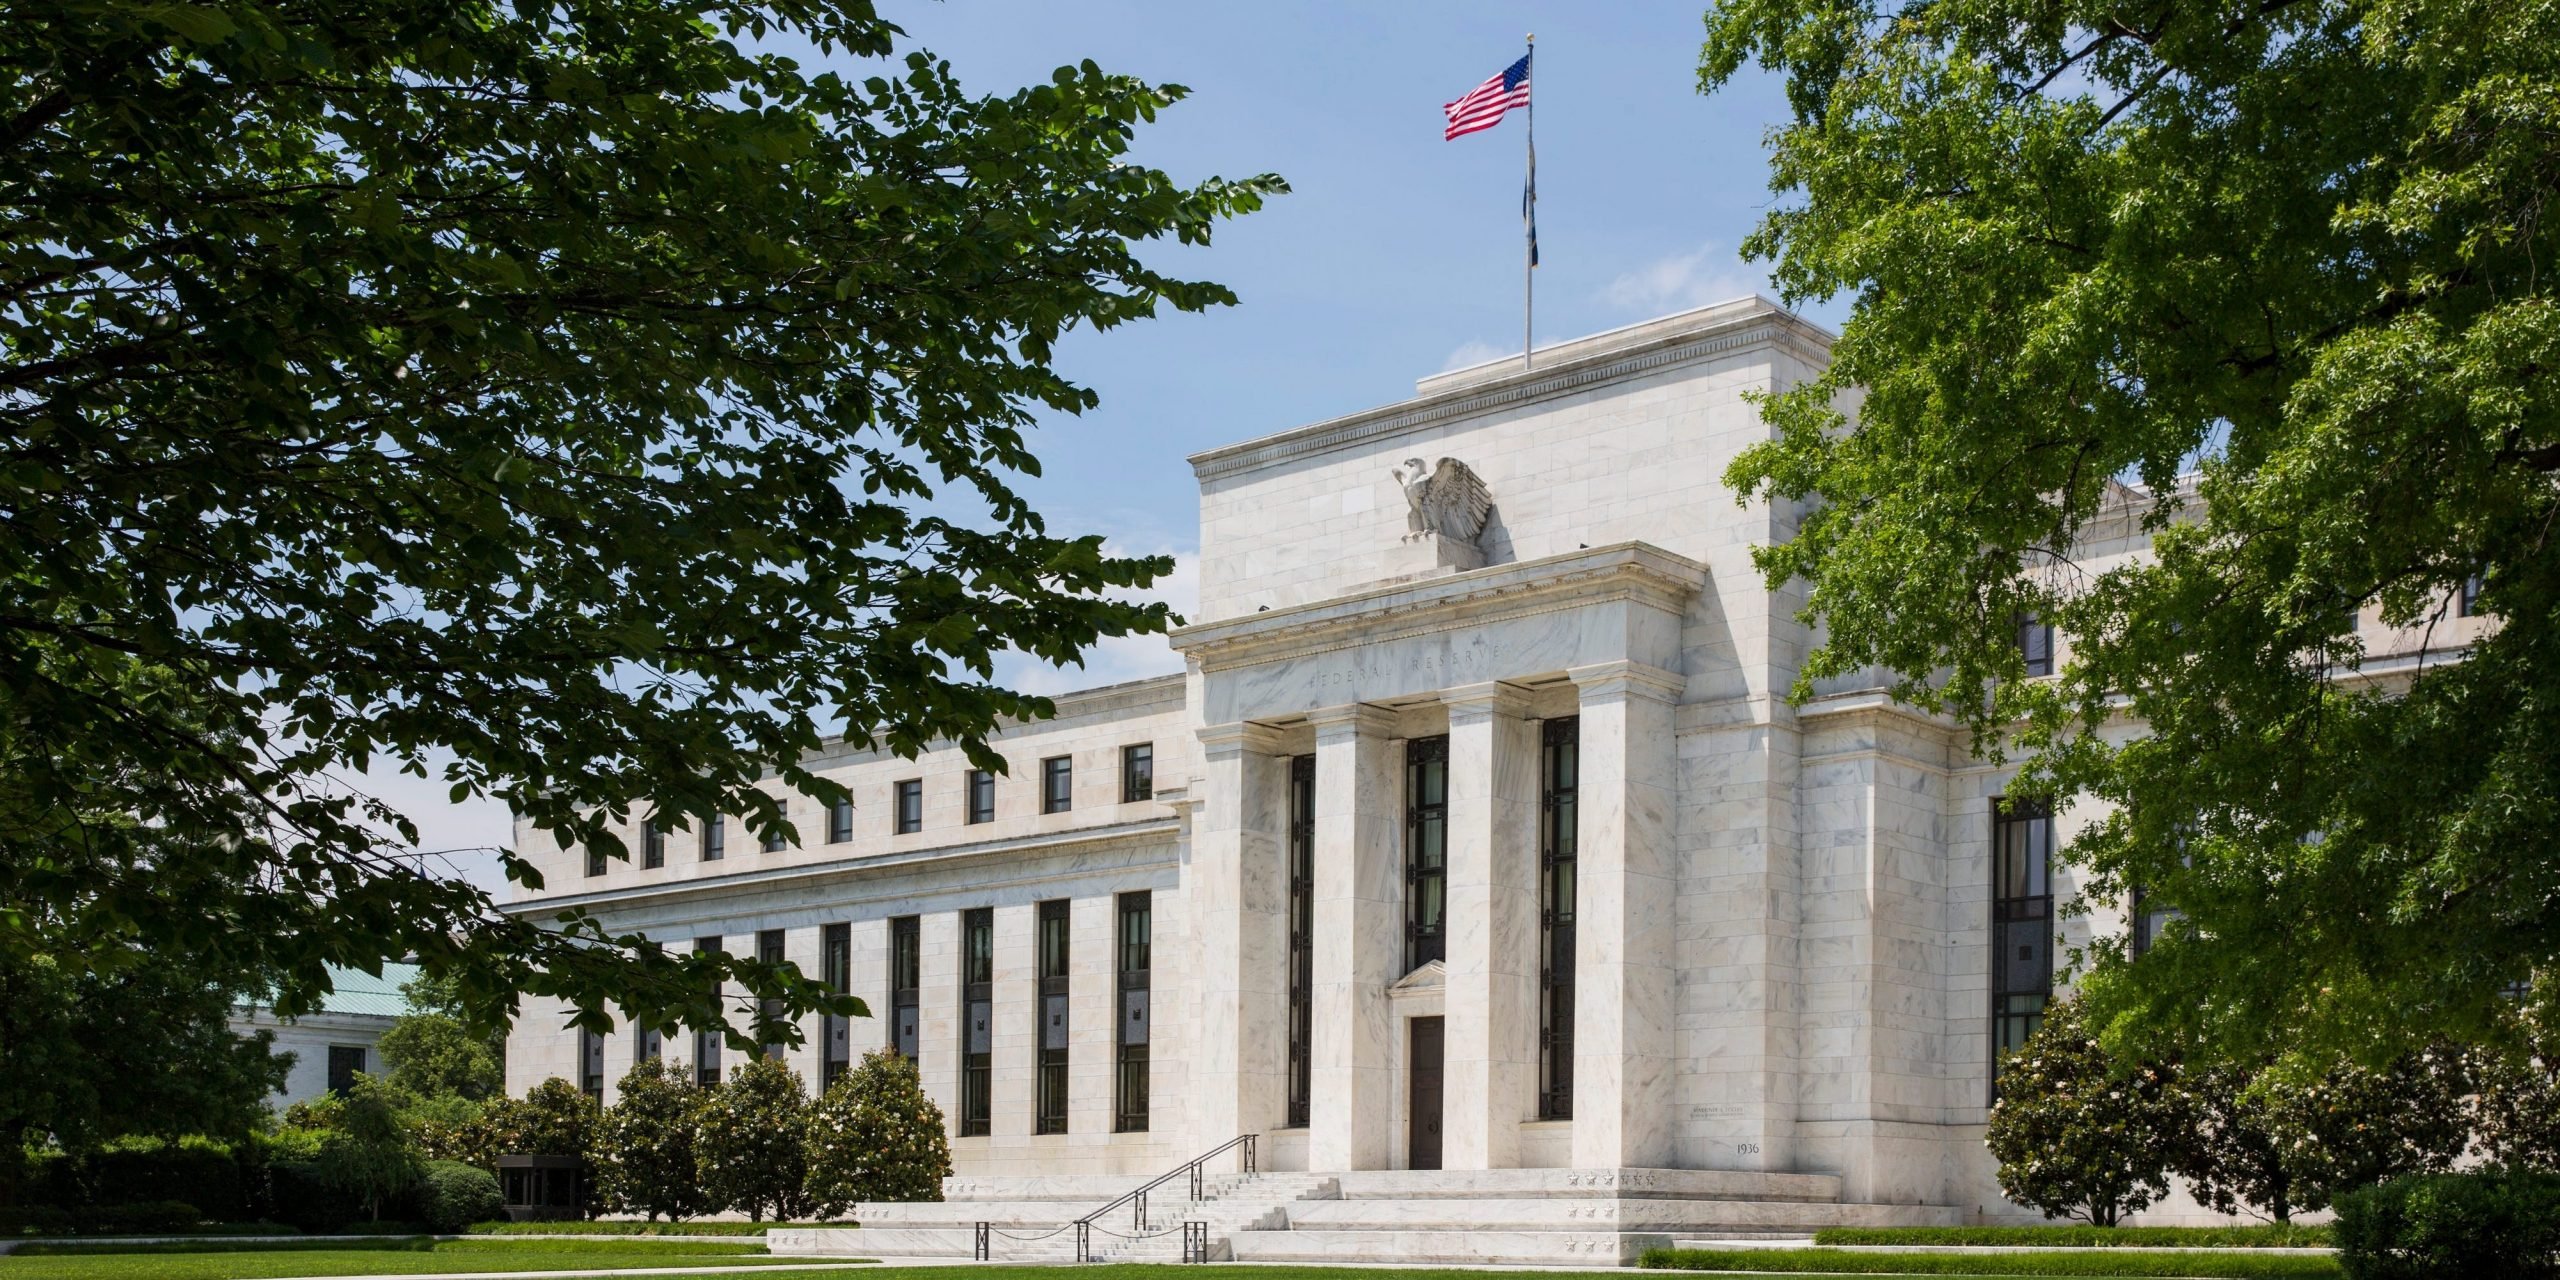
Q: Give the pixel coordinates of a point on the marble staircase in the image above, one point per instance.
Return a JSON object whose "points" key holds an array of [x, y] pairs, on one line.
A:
{"points": [[1602, 1217]]}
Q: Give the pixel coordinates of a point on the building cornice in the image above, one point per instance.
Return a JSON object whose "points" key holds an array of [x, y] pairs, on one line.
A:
{"points": [[1562, 370], [1636, 571], [1038, 844]]}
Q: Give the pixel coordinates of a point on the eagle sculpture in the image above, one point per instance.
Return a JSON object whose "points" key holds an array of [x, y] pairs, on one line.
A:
{"points": [[1444, 500]]}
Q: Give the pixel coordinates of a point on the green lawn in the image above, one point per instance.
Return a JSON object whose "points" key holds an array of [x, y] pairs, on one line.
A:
{"points": [[628, 1228], [220, 1260], [2112, 1263]]}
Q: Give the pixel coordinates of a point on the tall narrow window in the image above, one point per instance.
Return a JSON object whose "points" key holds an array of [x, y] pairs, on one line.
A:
{"points": [[1302, 938], [2469, 605], [2021, 924], [1137, 772], [773, 841], [715, 839], [2035, 644], [1057, 784], [595, 861], [769, 950], [346, 1062], [1137, 945], [1426, 851], [910, 806], [977, 1022], [706, 1040], [648, 1044], [591, 1065], [653, 845], [1049, 1091], [906, 980], [835, 957], [982, 796], [840, 821], [1559, 776]]}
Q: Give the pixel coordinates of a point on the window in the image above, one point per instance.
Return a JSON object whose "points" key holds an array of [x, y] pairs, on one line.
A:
{"points": [[1559, 780], [1137, 773], [1137, 938], [2149, 921], [591, 1065], [773, 841], [2021, 924], [715, 840], [977, 1023], [910, 806], [706, 1040], [2035, 644], [840, 821], [2469, 605], [1049, 1087], [595, 861], [1426, 851], [346, 1062], [835, 961], [653, 845], [769, 950], [1302, 938], [648, 1044], [1057, 784], [906, 974], [982, 796]]}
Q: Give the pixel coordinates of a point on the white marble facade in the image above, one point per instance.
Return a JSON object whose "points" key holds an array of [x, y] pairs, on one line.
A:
{"points": [[1782, 955]]}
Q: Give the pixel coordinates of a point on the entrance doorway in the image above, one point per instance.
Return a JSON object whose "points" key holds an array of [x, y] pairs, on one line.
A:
{"points": [[1422, 1101]]}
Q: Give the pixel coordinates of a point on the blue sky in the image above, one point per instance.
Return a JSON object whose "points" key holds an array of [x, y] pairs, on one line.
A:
{"points": [[1396, 256]]}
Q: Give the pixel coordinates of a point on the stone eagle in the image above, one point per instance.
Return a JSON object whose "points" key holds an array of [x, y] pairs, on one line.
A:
{"points": [[1444, 500]]}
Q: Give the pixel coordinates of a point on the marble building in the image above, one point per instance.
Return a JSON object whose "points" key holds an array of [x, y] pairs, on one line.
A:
{"points": [[1479, 836]]}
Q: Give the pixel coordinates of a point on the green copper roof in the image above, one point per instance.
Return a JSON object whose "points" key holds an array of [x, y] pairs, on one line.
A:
{"points": [[361, 992]]}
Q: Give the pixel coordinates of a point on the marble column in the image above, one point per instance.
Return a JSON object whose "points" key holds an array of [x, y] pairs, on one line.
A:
{"points": [[1624, 951], [1490, 999], [1239, 905], [1359, 889]]}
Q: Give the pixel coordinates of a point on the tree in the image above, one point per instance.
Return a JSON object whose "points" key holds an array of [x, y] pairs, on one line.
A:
{"points": [[751, 1142], [2280, 264], [2235, 1158], [876, 1138], [369, 1153], [576, 403], [122, 1045], [2517, 1118], [2078, 1134], [642, 1154], [2354, 1126], [432, 1050]]}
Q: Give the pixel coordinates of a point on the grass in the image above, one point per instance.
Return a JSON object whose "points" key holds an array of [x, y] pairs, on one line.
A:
{"points": [[2271, 1236], [626, 1228], [2058, 1262], [386, 1256]]}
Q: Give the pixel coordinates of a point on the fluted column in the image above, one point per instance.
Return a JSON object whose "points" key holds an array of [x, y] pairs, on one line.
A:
{"points": [[1358, 922], [1239, 901], [1491, 995], [1623, 955]]}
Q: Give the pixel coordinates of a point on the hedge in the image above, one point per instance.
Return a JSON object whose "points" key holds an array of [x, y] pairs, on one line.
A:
{"points": [[2485, 1222], [2237, 1264], [2271, 1236]]}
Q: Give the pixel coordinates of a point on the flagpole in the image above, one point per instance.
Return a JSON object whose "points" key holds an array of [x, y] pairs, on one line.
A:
{"points": [[1529, 219]]}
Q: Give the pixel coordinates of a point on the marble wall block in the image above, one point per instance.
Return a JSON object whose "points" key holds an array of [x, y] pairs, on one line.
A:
{"points": [[1491, 988], [1238, 899], [938, 1018], [1017, 1024], [1359, 932], [1625, 958]]}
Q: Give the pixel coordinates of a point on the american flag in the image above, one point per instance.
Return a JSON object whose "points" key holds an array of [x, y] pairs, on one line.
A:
{"points": [[1483, 105]]}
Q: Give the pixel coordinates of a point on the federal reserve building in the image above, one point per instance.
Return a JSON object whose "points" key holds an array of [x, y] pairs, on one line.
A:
{"points": [[1478, 873]]}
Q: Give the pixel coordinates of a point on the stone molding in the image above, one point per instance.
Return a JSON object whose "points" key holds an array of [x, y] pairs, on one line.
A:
{"points": [[1627, 678], [1636, 572], [1696, 336], [1352, 719], [1218, 741], [1115, 834], [1484, 700]]}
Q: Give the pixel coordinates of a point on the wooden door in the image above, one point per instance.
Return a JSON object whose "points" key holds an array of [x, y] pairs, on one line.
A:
{"points": [[1423, 1097]]}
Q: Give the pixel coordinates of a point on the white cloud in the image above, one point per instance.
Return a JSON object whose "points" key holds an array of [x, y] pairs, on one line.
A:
{"points": [[1474, 351], [1117, 658], [1682, 281]]}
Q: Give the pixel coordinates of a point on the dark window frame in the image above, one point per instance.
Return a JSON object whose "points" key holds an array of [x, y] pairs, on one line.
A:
{"points": [[1302, 939], [591, 1064], [775, 842], [1426, 851], [1132, 956], [1057, 784], [715, 839], [596, 860], [2467, 600], [346, 1062], [1052, 932], [707, 1041], [1559, 892], [2035, 644], [1137, 772], [906, 981], [907, 816], [653, 845], [835, 967], [770, 947], [977, 1021], [840, 821], [648, 1044], [980, 796], [2021, 919]]}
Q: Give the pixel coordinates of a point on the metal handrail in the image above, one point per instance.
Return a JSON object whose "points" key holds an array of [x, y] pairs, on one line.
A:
{"points": [[1138, 1197]]}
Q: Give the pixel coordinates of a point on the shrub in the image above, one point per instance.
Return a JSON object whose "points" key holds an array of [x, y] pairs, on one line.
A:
{"points": [[370, 1155], [2497, 1221], [751, 1142], [2077, 1137], [2355, 1126], [641, 1155], [154, 1218], [35, 1220], [307, 1202], [455, 1195], [875, 1137]]}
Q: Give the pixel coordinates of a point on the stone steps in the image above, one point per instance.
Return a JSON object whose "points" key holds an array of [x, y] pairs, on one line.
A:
{"points": [[1578, 1248], [1700, 1217]]}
